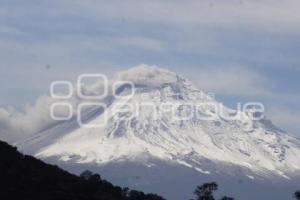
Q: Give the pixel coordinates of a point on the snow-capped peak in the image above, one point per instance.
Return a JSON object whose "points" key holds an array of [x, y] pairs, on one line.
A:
{"points": [[190, 141]]}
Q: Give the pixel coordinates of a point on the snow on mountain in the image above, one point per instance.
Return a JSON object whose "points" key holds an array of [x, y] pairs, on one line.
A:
{"points": [[143, 126]]}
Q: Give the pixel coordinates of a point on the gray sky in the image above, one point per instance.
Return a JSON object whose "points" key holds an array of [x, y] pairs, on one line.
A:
{"points": [[240, 50]]}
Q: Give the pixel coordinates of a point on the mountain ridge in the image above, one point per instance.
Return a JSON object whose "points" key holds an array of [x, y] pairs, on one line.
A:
{"points": [[230, 146], [257, 145]]}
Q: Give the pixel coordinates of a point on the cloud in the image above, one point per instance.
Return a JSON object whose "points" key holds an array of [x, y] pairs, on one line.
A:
{"points": [[239, 81], [17, 125], [152, 76], [141, 42], [286, 117], [4, 29], [269, 14]]}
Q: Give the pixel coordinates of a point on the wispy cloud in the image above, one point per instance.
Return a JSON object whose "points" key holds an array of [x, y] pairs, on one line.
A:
{"points": [[285, 117], [239, 81], [15, 125], [264, 14]]}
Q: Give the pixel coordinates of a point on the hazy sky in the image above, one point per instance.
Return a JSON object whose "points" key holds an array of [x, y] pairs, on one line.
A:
{"points": [[240, 50]]}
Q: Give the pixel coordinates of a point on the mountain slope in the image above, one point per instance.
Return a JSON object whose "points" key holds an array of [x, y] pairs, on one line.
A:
{"points": [[24, 177], [142, 129], [257, 145]]}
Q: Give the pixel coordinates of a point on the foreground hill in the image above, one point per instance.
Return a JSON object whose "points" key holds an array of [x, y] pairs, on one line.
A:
{"points": [[25, 177]]}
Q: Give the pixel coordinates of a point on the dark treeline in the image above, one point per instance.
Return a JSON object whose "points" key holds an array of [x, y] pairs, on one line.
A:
{"points": [[25, 177], [206, 190], [297, 195]]}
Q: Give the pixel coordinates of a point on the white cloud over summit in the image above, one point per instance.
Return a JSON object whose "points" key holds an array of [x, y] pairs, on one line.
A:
{"points": [[152, 76]]}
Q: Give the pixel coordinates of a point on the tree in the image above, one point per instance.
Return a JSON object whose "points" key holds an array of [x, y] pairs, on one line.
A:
{"points": [[90, 176], [297, 195], [227, 198], [153, 197], [205, 191], [136, 195], [95, 178], [125, 191], [86, 174]]}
